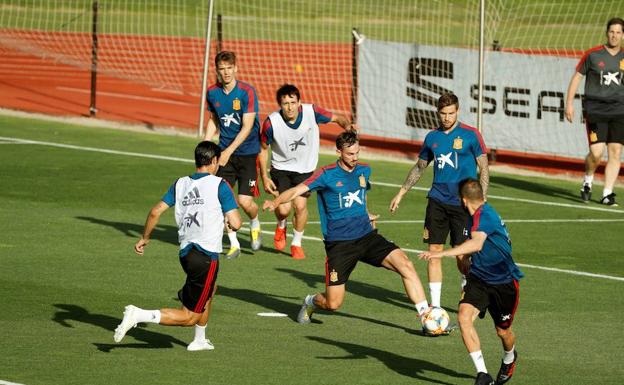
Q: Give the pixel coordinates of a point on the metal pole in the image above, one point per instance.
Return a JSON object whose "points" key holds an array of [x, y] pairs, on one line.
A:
{"points": [[481, 65], [94, 59], [219, 33], [354, 73], [202, 103]]}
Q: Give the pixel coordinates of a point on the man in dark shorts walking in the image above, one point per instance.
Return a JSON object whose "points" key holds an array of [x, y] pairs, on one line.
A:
{"points": [[492, 282], [202, 201], [348, 230], [293, 134], [603, 108]]}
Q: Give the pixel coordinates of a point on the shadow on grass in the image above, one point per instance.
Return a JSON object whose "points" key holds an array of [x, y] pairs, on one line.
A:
{"points": [[406, 366], [150, 339], [535, 187], [165, 233]]}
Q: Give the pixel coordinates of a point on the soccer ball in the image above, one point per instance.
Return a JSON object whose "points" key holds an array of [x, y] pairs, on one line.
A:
{"points": [[435, 322]]}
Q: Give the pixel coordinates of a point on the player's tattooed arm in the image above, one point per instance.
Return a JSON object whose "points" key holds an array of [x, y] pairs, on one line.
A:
{"points": [[484, 173], [415, 174]]}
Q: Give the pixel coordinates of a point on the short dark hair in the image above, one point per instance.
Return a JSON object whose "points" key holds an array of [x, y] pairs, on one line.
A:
{"points": [[205, 152], [346, 139], [447, 99], [471, 189], [225, 56], [615, 20], [287, 90]]}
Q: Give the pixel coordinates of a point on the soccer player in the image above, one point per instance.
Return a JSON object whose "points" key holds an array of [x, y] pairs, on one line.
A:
{"points": [[603, 108], [457, 150], [293, 135], [233, 105], [349, 229], [201, 202], [492, 282]]}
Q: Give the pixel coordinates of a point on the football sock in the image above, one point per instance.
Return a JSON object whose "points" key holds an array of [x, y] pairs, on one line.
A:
{"points": [[297, 236], [309, 300], [254, 223], [233, 239], [588, 180], [478, 360], [508, 357], [281, 224], [435, 288], [152, 316], [422, 307], [606, 192], [200, 332]]}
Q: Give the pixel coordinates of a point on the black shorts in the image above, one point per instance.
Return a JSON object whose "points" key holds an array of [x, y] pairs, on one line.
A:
{"points": [[286, 179], [602, 129], [501, 301], [244, 170], [342, 256], [440, 219], [201, 275]]}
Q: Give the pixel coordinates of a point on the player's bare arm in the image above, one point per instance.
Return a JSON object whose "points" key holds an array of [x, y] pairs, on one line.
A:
{"points": [[470, 246], [263, 157], [343, 122], [574, 83], [484, 173], [212, 127], [150, 223], [286, 196], [246, 127], [412, 177]]}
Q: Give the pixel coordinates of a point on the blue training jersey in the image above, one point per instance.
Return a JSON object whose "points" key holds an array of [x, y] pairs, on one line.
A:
{"points": [[493, 264], [229, 108], [226, 199], [342, 201], [455, 154]]}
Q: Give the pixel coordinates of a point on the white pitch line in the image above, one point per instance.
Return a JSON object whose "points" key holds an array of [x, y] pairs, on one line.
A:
{"points": [[545, 203], [554, 269], [2, 382], [26, 141]]}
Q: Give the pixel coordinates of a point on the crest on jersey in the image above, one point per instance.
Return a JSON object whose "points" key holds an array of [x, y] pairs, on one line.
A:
{"points": [[236, 105], [362, 181], [457, 143], [333, 276], [622, 64]]}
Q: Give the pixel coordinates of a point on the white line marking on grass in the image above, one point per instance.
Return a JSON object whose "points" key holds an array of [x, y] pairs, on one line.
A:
{"points": [[417, 251], [272, 315], [545, 203], [2, 382], [93, 149]]}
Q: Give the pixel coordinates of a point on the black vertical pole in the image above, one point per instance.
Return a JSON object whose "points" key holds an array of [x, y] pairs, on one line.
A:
{"points": [[94, 59], [219, 33], [354, 74]]}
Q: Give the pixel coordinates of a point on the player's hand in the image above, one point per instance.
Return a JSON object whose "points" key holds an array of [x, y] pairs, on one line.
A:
{"points": [[569, 112], [394, 204], [373, 219], [427, 255], [139, 247], [269, 186], [268, 205], [224, 158]]}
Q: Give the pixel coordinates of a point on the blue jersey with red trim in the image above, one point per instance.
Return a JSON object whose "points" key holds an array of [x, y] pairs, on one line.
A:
{"points": [[321, 116], [342, 201], [493, 264], [455, 154], [229, 108]]}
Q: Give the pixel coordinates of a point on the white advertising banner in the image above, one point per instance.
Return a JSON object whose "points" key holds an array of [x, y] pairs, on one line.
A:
{"points": [[524, 96]]}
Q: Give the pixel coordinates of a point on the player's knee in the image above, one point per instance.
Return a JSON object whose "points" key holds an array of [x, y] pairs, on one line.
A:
{"points": [[333, 305], [503, 333]]}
